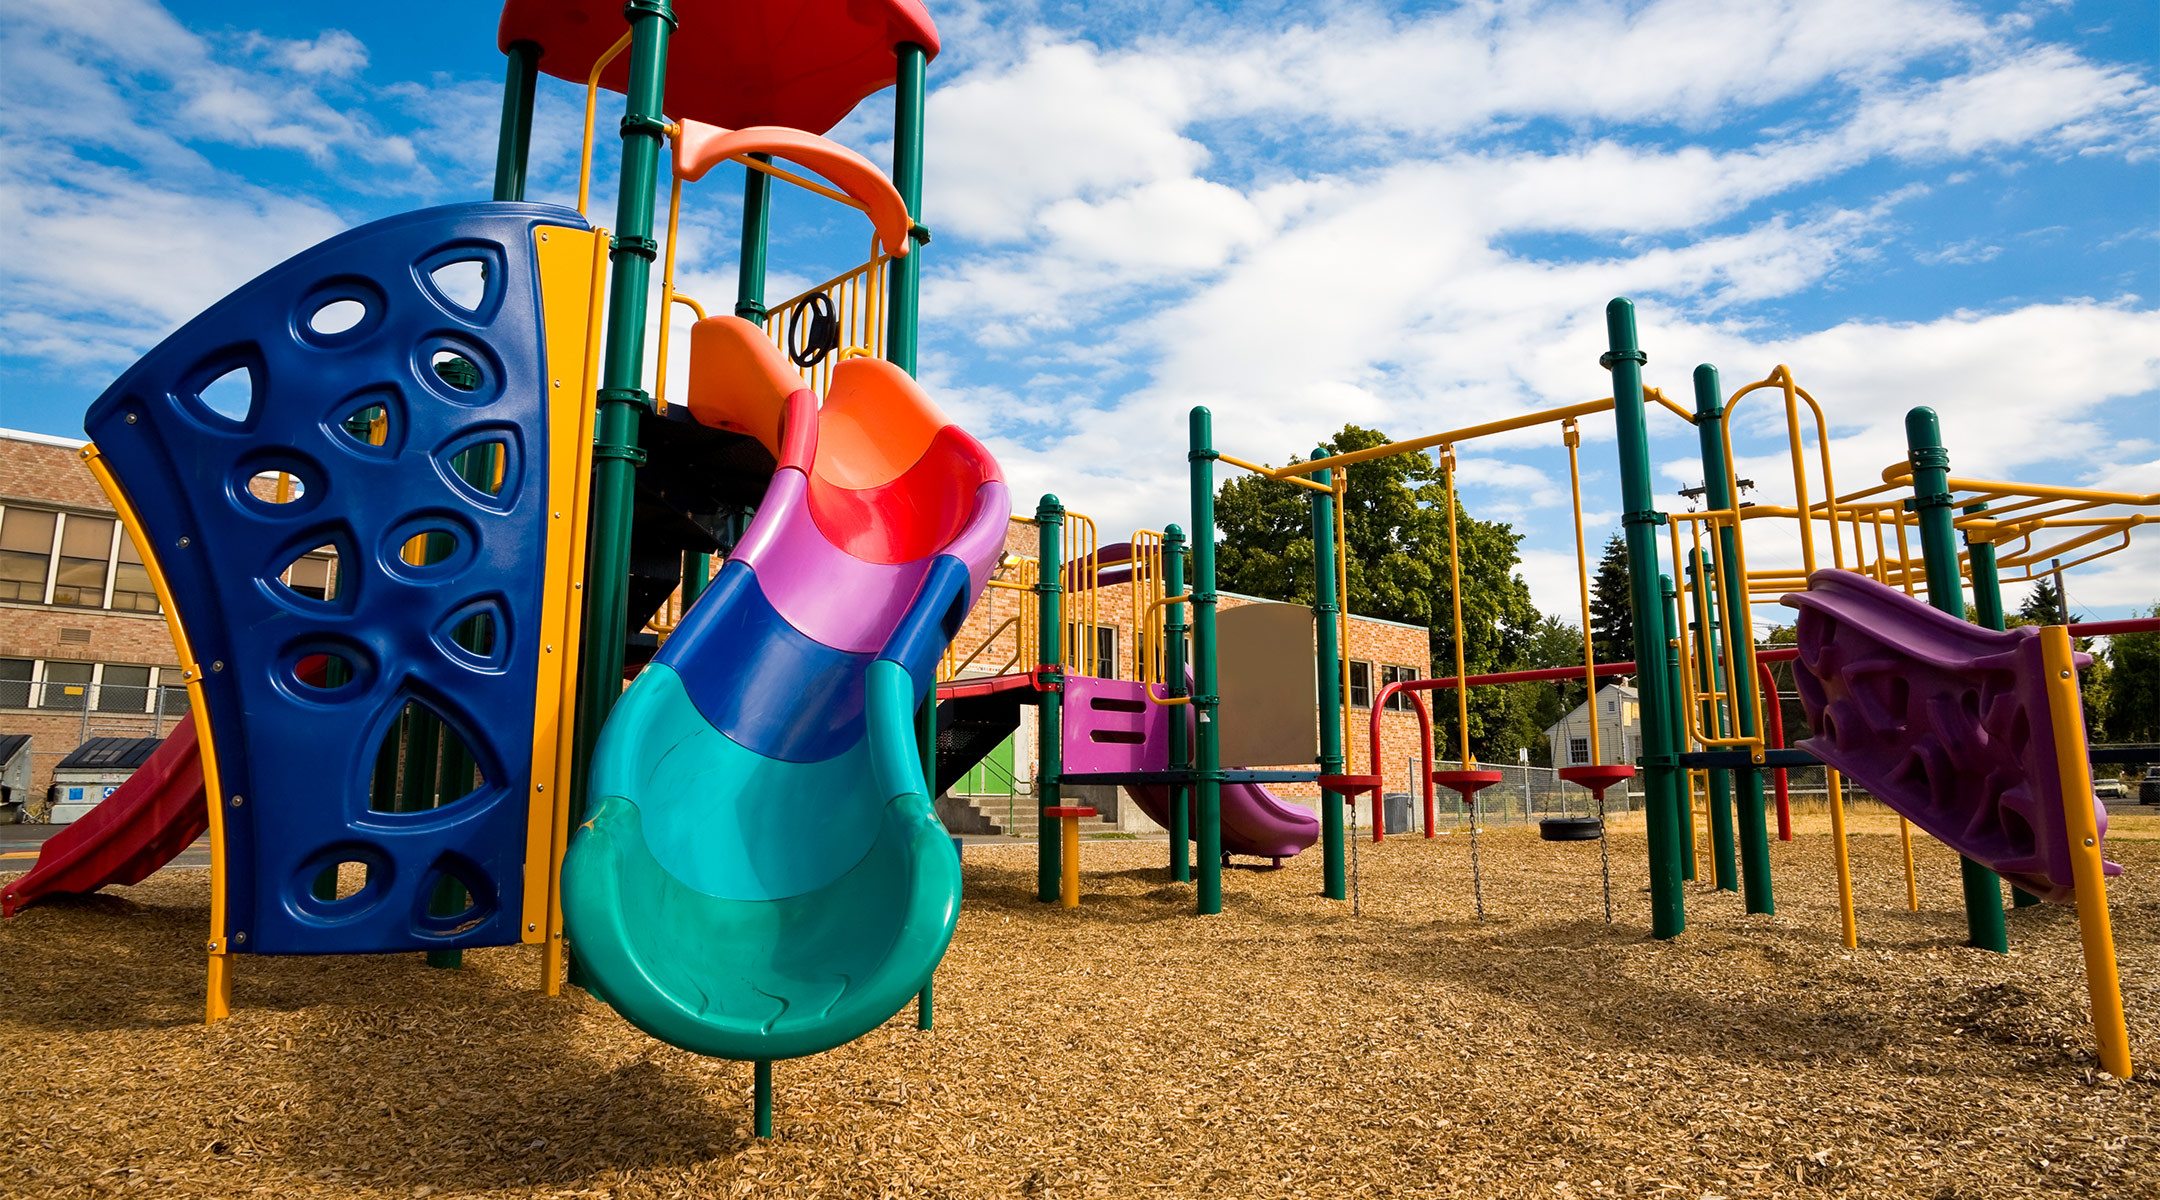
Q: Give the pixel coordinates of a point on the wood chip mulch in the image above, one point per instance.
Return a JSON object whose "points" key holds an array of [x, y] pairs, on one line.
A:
{"points": [[1131, 1049]]}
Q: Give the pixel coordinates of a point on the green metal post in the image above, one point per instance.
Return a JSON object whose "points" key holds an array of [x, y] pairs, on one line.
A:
{"points": [[1931, 503], [1675, 713], [1660, 746], [761, 1102], [422, 738], [1327, 643], [615, 450], [1207, 749], [1988, 603], [904, 276], [696, 577], [756, 239], [1173, 552], [1049, 711], [514, 145], [1710, 675], [1754, 819]]}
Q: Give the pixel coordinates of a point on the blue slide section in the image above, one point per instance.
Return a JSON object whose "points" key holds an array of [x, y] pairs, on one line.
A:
{"points": [[355, 411]]}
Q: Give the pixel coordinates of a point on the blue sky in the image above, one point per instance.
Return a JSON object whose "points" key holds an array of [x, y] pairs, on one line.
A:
{"points": [[1409, 217]]}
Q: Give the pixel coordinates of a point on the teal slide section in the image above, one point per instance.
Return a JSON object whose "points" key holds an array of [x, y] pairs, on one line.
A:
{"points": [[723, 959]]}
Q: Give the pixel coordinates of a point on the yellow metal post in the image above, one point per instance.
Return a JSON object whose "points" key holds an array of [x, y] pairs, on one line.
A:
{"points": [[1912, 880], [1835, 785], [2067, 717], [1069, 882]]}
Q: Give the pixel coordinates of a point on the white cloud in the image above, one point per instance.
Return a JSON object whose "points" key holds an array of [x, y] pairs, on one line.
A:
{"points": [[333, 52]]}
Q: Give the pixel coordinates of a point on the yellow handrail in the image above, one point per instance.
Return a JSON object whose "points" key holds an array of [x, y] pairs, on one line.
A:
{"points": [[592, 108]]}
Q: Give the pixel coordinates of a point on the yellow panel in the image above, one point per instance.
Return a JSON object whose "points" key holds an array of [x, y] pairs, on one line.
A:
{"points": [[218, 1003], [570, 263], [573, 603]]}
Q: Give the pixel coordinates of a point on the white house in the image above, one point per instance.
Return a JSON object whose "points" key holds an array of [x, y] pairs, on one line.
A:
{"points": [[1619, 729]]}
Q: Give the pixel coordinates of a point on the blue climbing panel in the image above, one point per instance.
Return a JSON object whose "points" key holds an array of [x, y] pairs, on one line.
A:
{"points": [[338, 349]]}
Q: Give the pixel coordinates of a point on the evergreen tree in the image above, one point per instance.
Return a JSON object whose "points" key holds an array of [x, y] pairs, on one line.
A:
{"points": [[2096, 681], [2043, 607], [1612, 605], [1397, 548]]}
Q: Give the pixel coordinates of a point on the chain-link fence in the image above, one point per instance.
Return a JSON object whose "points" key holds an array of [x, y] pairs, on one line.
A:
{"points": [[114, 710], [1524, 794]]}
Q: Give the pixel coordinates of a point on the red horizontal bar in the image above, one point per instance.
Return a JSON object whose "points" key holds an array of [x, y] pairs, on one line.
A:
{"points": [[2105, 628]]}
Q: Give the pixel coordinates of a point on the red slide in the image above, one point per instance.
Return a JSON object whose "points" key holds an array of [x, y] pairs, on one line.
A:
{"points": [[139, 828]]}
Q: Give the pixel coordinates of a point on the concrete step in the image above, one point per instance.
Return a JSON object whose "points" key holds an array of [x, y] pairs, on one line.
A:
{"points": [[988, 814]]}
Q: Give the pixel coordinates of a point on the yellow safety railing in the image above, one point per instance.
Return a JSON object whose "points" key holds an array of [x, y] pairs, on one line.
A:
{"points": [[1142, 599], [858, 300], [1083, 598], [1016, 577]]}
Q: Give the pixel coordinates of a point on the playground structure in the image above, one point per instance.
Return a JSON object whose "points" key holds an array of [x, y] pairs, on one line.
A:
{"points": [[497, 486], [1705, 751], [450, 401]]}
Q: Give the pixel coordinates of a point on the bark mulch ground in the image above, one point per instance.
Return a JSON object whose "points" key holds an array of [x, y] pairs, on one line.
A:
{"points": [[1130, 1049]]}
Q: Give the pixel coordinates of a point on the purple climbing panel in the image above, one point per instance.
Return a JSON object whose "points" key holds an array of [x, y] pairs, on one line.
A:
{"points": [[1110, 726], [1942, 720]]}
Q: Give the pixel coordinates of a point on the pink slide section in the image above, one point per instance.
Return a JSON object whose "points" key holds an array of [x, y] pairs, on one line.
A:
{"points": [[155, 815]]}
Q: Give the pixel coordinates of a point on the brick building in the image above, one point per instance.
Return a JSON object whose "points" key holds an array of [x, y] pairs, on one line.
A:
{"points": [[84, 650], [998, 637]]}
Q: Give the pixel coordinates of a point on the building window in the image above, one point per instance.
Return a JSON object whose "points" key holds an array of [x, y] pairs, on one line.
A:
{"points": [[310, 576], [1611, 707], [123, 689], [66, 685], [85, 562], [26, 538], [1360, 684], [1105, 656], [15, 676], [1398, 701], [132, 590], [1578, 750], [74, 559]]}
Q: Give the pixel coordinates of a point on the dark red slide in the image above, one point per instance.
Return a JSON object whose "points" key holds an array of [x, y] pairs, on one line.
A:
{"points": [[151, 818]]}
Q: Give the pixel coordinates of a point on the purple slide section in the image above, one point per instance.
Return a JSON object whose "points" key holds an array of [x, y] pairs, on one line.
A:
{"points": [[1943, 721], [1110, 727], [1254, 821]]}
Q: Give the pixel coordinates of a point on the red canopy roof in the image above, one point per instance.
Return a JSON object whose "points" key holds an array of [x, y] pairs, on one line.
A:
{"points": [[736, 63]]}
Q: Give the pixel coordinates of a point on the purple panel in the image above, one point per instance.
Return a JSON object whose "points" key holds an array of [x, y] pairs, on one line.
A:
{"points": [[1110, 726], [827, 594], [1942, 720]]}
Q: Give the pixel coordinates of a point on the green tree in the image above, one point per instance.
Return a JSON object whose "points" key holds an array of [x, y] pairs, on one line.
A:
{"points": [[1396, 544], [1554, 643], [2043, 607], [1612, 605], [2131, 711]]}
